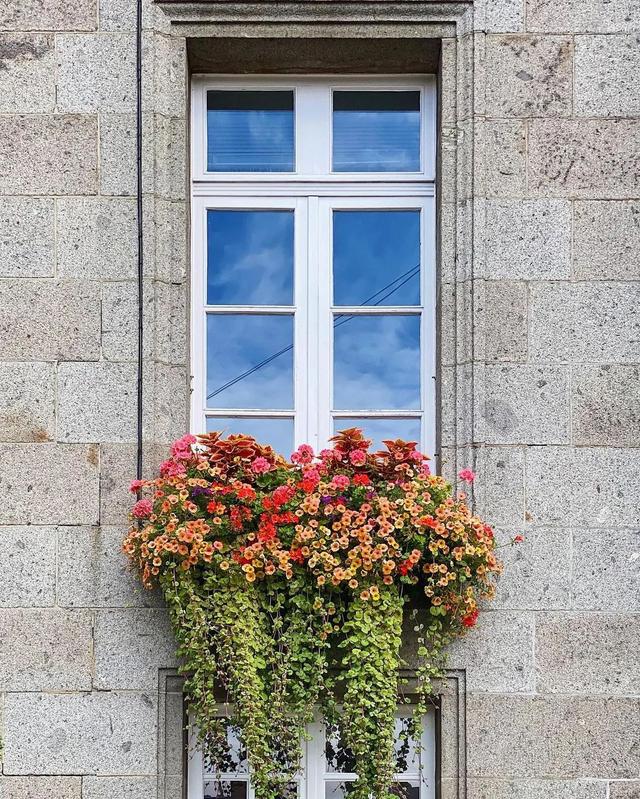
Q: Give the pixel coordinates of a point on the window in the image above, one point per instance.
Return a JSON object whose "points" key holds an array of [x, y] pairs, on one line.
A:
{"points": [[327, 767], [313, 257]]}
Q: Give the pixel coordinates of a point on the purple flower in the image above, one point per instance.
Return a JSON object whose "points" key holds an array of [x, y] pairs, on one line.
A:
{"points": [[326, 500], [198, 491]]}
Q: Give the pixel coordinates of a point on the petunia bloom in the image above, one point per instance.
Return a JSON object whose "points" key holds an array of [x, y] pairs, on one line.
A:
{"points": [[468, 475]]}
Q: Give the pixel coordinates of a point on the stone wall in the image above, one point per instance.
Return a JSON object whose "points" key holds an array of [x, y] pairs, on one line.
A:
{"points": [[539, 385]]}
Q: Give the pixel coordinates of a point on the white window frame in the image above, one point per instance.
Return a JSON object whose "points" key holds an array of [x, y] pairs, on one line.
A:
{"points": [[313, 768], [312, 191]]}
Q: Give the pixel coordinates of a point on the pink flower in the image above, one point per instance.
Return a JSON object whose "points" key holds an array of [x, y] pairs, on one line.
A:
{"points": [[467, 475], [181, 448], [518, 539], [416, 456], [260, 466], [358, 457], [136, 485], [303, 455], [142, 509], [425, 469], [171, 468], [341, 481], [326, 454]]}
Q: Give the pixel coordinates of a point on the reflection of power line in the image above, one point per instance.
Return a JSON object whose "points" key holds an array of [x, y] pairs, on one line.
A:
{"points": [[405, 277]]}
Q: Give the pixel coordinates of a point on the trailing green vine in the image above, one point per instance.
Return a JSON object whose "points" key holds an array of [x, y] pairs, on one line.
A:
{"points": [[287, 587]]}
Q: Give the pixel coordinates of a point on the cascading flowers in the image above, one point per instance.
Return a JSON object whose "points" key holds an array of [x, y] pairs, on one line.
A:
{"points": [[287, 585]]}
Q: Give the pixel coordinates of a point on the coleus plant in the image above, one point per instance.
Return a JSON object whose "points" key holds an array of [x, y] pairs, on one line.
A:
{"points": [[288, 582]]}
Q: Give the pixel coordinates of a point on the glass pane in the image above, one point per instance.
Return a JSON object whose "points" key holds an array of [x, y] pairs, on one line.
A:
{"points": [[337, 790], [376, 362], [407, 789], [376, 257], [406, 747], [234, 760], [250, 257], [250, 131], [376, 131], [338, 757], [249, 361], [379, 430], [225, 789], [276, 433], [289, 791]]}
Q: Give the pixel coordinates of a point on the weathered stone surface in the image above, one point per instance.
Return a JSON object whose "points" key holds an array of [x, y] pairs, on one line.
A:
{"points": [[537, 789], [576, 322], [528, 239], [119, 788], [172, 322], [505, 320], [504, 146], [537, 572], [499, 495], [93, 571], [578, 16], [526, 405], [118, 153], [97, 238], [120, 321], [504, 17], [624, 789], [603, 486], [97, 402], [46, 15], [26, 237], [605, 404], [68, 495], [498, 653], [130, 646], [607, 72], [518, 736], [606, 570], [96, 72], [63, 320], [172, 157], [90, 733], [586, 654], [606, 240], [117, 469], [29, 567], [529, 76], [45, 649], [27, 75], [33, 787], [117, 15], [27, 401], [46, 154], [584, 158]]}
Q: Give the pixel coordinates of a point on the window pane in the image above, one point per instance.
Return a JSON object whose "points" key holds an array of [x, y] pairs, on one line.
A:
{"points": [[406, 747], [249, 361], [234, 759], [376, 257], [250, 131], [337, 790], [379, 430], [377, 362], [376, 131], [276, 433], [338, 757], [225, 789], [407, 789], [250, 257]]}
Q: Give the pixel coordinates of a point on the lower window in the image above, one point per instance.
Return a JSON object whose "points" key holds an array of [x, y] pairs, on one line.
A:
{"points": [[327, 766]]}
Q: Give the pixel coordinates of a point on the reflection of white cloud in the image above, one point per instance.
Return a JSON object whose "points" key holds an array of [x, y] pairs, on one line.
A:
{"points": [[377, 363], [377, 141], [251, 259]]}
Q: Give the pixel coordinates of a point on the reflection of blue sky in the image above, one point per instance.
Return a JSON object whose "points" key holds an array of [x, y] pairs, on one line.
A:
{"points": [[277, 433], [250, 257], [250, 141], [371, 250], [376, 141], [377, 363], [236, 343], [379, 430]]}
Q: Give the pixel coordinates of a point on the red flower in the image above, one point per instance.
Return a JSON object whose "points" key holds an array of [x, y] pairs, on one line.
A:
{"points": [[518, 539], [471, 618], [361, 480]]}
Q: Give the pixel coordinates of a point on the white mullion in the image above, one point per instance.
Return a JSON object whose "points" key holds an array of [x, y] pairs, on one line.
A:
{"points": [[249, 413], [301, 344], [314, 382], [198, 317], [371, 413], [428, 327], [265, 310], [325, 321], [376, 310]]}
